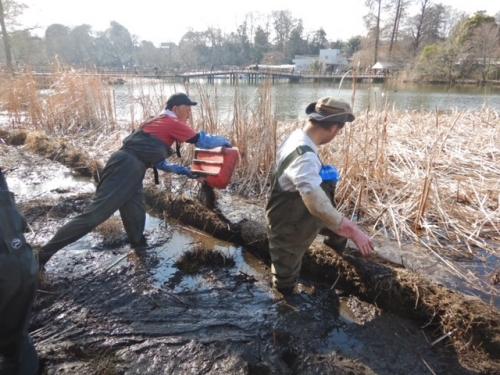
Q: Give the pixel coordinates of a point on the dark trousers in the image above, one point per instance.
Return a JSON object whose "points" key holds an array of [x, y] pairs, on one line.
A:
{"points": [[120, 189], [18, 276]]}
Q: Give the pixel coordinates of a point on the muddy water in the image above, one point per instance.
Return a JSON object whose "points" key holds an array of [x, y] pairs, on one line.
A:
{"points": [[111, 310]]}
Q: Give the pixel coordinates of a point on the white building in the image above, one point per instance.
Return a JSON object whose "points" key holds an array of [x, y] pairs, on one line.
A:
{"points": [[304, 62], [332, 60]]}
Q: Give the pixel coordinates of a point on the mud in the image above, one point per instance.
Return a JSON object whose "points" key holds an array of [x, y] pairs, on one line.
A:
{"points": [[199, 258], [104, 310], [54, 149], [470, 325]]}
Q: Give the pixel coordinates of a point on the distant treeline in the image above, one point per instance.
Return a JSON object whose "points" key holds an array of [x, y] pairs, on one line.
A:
{"points": [[434, 42]]}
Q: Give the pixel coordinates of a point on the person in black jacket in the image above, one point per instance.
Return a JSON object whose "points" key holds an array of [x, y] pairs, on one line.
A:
{"points": [[18, 280]]}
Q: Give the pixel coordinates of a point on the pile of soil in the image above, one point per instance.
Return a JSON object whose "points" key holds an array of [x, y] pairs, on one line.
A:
{"points": [[193, 261]]}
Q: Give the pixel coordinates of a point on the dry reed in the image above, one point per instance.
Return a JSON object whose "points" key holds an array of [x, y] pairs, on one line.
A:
{"points": [[73, 103], [427, 177]]}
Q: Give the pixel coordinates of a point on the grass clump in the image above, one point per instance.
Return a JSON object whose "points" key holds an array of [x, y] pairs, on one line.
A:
{"points": [[193, 261], [111, 232]]}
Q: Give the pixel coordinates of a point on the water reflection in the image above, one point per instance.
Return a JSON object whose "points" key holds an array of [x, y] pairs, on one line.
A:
{"points": [[290, 100]]}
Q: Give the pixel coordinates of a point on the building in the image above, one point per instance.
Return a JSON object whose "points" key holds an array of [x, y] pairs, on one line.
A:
{"points": [[333, 60], [303, 63], [383, 67]]}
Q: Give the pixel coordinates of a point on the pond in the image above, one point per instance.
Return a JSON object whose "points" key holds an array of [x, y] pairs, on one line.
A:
{"points": [[290, 100]]}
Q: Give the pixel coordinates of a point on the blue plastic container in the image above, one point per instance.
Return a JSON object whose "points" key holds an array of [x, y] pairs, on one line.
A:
{"points": [[329, 173]]}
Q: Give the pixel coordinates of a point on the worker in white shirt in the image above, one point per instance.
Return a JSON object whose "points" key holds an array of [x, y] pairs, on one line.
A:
{"points": [[299, 206]]}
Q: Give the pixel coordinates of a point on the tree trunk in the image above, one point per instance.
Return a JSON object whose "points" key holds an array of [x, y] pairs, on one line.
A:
{"points": [[395, 27], [420, 26], [377, 32], [5, 37]]}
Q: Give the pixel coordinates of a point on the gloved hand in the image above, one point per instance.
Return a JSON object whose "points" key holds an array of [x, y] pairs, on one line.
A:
{"points": [[211, 141], [329, 173], [174, 168]]}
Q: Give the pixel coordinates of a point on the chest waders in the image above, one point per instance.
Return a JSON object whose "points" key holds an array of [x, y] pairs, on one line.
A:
{"points": [[291, 227], [120, 189], [18, 279]]}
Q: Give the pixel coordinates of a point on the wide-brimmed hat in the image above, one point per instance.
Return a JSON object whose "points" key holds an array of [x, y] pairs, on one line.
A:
{"points": [[328, 110], [179, 99]]}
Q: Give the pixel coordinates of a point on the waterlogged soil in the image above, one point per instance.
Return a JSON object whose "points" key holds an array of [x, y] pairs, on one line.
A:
{"points": [[477, 276], [105, 309]]}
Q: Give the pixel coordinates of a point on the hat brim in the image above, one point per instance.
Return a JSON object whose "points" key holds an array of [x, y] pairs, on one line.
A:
{"points": [[311, 107], [192, 103], [341, 117]]}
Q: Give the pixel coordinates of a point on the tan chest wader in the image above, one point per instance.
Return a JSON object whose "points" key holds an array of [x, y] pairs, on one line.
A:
{"points": [[291, 227], [18, 279]]}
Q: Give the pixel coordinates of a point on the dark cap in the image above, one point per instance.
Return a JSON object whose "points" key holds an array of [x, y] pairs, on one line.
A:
{"points": [[330, 110], [179, 99]]}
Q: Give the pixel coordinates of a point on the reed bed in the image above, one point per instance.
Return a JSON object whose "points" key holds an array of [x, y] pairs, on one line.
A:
{"points": [[65, 103], [424, 177], [429, 177], [415, 176]]}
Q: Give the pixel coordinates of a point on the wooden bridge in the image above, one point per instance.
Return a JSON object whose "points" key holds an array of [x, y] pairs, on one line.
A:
{"points": [[233, 76], [253, 76]]}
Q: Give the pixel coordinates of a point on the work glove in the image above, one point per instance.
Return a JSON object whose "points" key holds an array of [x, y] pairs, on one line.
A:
{"points": [[174, 168], [329, 173], [211, 141]]}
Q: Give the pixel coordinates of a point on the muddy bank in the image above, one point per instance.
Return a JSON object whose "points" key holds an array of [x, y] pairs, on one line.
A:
{"points": [[117, 311], [468, 323], [54, 149], [391, 288]]}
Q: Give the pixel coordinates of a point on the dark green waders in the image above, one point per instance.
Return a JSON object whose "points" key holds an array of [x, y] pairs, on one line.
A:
{"points": [[291, 227], [121, 189], [18, 279]]}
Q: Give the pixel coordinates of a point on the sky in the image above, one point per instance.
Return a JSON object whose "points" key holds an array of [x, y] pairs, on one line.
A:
{"points": [[166, 21]]}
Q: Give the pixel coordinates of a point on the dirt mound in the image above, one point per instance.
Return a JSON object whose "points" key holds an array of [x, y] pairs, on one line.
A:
{"points": [[54, 149], [193, 261]]}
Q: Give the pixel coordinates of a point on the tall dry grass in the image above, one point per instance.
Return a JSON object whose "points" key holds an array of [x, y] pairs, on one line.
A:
{"points": [[65, 103], [253, 129], [427, 177]]}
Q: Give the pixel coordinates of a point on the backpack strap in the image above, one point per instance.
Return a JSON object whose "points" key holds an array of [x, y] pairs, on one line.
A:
{"points": [[300, 150]]}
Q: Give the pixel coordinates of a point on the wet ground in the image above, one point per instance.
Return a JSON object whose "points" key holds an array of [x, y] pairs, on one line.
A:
{"points": [[107, 309], [471, 275]]}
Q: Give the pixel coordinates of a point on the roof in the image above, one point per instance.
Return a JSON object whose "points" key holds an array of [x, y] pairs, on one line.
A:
{"points": [[382, 65]]}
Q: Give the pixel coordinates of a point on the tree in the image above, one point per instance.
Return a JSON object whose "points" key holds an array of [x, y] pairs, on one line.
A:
{"points": [[9, 10], [121, 43], [27, 48], [352, 46], [318, 41], [57, 42], [419, 23], [82, 45], [372, 21], [398, 8], [485, 47], [261, 43], [297, 44], [480, 35], [283, 24], [244, 42]]}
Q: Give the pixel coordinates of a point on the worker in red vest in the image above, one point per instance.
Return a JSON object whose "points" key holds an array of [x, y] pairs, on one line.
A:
{"points": [[120, 187]]}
